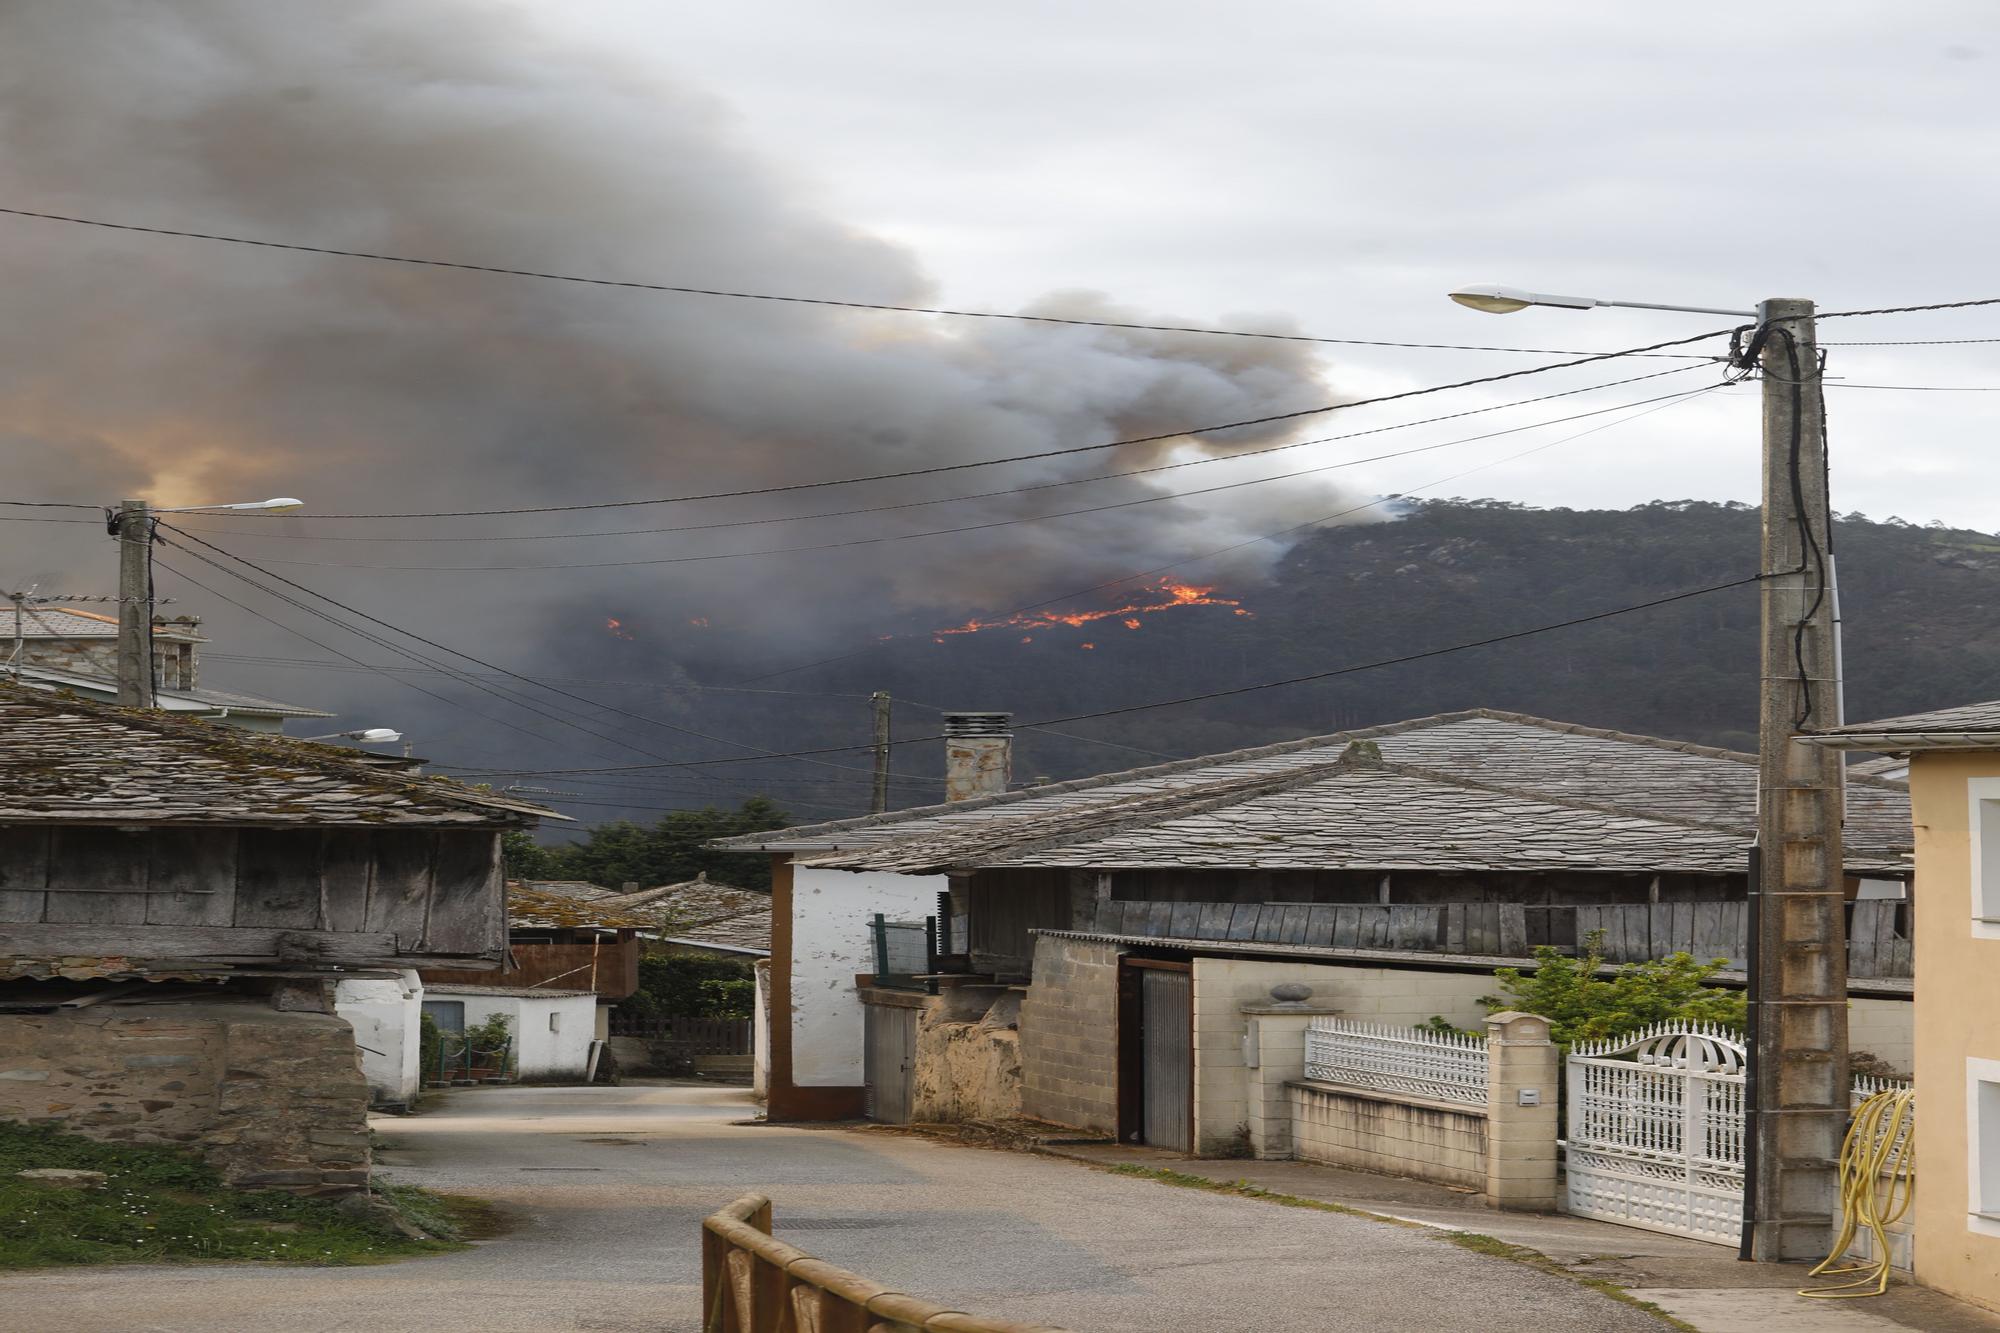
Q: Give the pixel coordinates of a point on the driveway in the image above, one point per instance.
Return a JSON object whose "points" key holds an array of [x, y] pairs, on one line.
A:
{"points": [[606, 1188]]}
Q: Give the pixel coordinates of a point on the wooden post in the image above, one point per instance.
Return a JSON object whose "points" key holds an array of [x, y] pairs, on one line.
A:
{"points": [[1799, 987], [879, 800], [134, 526]]}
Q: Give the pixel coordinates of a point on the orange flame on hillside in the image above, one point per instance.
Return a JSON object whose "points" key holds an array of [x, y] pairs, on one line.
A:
{"points": [[1165, 595], [616, 628]]}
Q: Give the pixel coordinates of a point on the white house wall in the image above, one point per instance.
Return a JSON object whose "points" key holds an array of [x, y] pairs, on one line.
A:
{"points": [[386, 1018], [540, 1052], [831, 942]]}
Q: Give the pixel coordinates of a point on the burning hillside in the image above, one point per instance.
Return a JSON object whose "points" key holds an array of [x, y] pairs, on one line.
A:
{"points": [[1163, 595]]}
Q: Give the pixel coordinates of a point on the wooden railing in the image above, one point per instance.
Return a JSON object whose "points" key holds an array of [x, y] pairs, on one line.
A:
{"points": [[610, 968], [752, 1282]]}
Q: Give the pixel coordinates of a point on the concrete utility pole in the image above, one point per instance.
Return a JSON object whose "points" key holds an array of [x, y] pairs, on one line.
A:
{"points": [[879, 801], [1799, 986], [134, 528]]}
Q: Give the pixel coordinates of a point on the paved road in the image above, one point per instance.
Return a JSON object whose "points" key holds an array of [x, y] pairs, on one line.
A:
{"points": [[607, 1187]]}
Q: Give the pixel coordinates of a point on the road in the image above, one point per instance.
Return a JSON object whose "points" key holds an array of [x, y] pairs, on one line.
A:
{"points": [[606, 1188]]}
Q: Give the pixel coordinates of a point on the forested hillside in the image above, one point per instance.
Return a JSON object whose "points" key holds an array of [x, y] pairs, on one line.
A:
{"points": [[1921, 605]]}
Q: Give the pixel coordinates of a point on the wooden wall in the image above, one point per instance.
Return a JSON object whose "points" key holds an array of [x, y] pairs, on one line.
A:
{"points": [[343, 895]]}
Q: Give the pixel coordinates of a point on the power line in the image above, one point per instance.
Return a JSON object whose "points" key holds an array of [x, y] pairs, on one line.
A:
{"points": [[1910, 309], [1064, 452], [763, 296], [1262, 685], [459, 653], [710, 557], [1252, 541], [1013, 490]]}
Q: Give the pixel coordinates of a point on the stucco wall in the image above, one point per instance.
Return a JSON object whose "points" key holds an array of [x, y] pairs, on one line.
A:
{"points": [[1957, 1019], [1400, 996], [1069, 1035], [831, 942], [1398, 1137], [760, 1032], [1885, 1029], [968, 1056], [385, 1016], [271, 1099]]}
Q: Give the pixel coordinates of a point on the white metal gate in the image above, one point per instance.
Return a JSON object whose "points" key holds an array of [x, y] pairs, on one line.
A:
{"points": [[1656, 1131]]}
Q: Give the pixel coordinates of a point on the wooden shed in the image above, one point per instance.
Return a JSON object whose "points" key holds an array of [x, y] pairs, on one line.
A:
{"points": [[141, 844]]}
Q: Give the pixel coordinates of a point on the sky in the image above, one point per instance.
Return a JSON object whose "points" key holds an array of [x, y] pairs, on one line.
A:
{"points": [[1328, 170]]}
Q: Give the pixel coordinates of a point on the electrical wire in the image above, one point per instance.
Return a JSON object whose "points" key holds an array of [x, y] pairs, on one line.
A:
{"points": [[761, 296], [1012, 490], [1262, 537], [1180, 701], [490, 666], [1067, 451], [710, 557]]}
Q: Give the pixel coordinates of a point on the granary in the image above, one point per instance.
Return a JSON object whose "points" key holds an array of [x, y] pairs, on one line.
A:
{"points": [[178, 901], [1105, 921], [61, 649]]}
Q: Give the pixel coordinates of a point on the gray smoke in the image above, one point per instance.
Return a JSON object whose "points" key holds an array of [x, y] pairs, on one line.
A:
{"points": [[190, 371]]}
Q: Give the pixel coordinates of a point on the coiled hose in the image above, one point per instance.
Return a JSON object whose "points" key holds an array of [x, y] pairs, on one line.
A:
{"points": [[1878, 1182]]}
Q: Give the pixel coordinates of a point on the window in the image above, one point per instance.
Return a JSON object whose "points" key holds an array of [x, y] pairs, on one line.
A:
{"points": [[1984, 826], [555, 1021], [1982, 1145]]}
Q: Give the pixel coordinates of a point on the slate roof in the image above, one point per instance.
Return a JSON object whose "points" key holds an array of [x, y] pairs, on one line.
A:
{"points": [[532, 908], [199, 700], [1473, 789], [514, 992], [64, 622], [1968, 726], [69, 760], [694, 911]]}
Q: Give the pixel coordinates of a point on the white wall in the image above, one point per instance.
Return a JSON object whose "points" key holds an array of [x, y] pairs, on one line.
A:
{"points": [[538, 1051], [831, 941], [1885, 1028], [385, 1016]]}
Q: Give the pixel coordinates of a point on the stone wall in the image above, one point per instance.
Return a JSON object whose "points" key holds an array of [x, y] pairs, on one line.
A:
{"points": [[968, 1056], [1396, 1136], [1069, 1035], [271, 1099]]}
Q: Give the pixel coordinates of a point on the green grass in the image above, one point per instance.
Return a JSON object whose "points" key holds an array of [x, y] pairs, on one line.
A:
{"points": [[1491, 1246], [163, 1205]]}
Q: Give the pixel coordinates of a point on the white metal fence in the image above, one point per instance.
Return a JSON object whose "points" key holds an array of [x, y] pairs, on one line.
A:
{"points": [[1440, 1066]]}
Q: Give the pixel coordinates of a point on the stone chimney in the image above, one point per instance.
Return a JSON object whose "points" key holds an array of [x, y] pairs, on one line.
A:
{"points": [[978, 754]]}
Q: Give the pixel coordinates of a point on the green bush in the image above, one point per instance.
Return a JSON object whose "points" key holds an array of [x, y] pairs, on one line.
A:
{"points": [[1584, 1006], [692, 986]]}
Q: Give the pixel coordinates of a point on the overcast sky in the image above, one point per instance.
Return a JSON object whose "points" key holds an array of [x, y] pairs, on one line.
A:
{"points": [[1327, 168], [1348, 163]]}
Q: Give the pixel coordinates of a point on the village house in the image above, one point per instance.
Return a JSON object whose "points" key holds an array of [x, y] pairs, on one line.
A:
{"points": [[64, 649], [1104, 933], [179, 901], [1954, 776]]}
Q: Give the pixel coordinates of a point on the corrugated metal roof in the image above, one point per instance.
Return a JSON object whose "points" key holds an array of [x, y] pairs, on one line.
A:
{"points": [[1588, 787], [68, 760], [200, 700]]}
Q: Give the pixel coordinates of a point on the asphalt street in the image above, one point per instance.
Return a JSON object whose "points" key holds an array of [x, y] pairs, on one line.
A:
{"points": [[605, 1189]]}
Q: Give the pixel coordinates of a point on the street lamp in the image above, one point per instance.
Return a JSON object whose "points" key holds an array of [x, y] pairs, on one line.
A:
{"points": [[132, 524], [1507, 300], [366, 735], [1797, 956]]}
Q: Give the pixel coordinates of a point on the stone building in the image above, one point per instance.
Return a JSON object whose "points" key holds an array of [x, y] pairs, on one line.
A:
{"points": [[178, 901]]}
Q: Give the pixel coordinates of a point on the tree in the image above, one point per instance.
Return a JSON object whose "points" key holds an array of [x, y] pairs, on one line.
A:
{"points": [[672, 849], [1581, 1005]]}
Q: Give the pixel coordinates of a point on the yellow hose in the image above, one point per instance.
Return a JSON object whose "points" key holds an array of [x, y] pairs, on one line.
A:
{"points": [[1877, 1184]]}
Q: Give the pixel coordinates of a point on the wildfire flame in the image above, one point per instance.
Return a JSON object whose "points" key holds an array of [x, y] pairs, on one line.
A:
{"points": [[1165, 595], [699, 622], [616, 628]]}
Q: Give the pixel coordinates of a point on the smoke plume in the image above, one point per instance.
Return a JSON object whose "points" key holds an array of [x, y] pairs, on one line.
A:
{"points": [[189, 371]]}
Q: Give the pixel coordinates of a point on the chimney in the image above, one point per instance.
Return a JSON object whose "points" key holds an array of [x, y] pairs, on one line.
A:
{"points": [[978, 755]]}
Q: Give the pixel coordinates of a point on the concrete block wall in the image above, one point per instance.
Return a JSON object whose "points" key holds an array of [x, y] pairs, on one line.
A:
{"points": [[1223, 986], [271, 1099], [1069, 1035], [1395, 1136]]}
